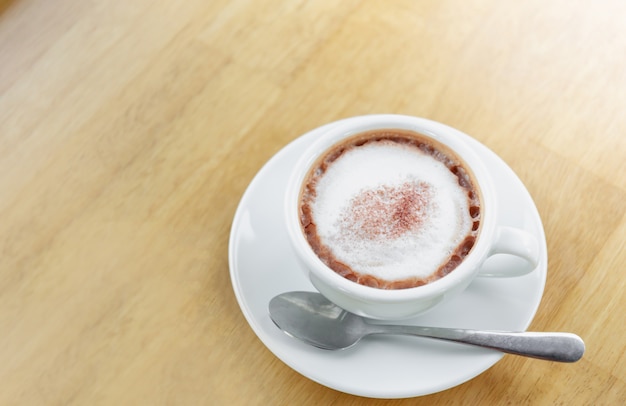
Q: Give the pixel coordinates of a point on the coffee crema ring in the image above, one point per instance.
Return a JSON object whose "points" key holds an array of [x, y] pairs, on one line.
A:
{"points": [[390, 209]]}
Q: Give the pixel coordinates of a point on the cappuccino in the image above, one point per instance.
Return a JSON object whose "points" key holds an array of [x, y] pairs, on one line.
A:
{"points": [[391, 209]]}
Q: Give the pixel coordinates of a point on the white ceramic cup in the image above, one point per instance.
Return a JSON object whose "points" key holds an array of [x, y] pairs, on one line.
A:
{"points": [[397, 304]]}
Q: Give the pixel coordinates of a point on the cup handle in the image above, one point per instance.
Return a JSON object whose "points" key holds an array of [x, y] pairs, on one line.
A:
{"points": [[517, 242]]}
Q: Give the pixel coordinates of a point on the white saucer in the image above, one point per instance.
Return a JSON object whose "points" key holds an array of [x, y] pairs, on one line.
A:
{"points": [[262, 265]]}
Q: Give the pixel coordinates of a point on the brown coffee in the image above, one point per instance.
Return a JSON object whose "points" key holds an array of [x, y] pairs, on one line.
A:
{"points": [[390, 209]]}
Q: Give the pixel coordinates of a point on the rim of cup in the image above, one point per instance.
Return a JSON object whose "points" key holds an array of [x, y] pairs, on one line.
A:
{"points": [[441, 133]]}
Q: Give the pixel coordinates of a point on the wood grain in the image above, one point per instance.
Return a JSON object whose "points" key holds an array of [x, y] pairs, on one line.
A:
{"points": [[130, 129]]}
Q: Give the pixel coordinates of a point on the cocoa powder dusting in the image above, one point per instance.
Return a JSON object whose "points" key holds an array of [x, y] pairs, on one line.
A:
{"points": [[388, 211]]}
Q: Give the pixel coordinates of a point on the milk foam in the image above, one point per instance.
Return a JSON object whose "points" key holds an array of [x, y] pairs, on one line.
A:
{"points": [[383, 169]]}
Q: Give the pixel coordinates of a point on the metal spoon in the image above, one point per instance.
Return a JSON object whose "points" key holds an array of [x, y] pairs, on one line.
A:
{"points": [[313, 319]]}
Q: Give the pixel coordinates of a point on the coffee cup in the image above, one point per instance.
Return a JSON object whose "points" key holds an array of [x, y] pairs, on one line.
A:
{"points": [[391, 215]]}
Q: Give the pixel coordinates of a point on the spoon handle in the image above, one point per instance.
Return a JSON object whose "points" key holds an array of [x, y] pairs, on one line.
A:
{"points": [[562, 347]]}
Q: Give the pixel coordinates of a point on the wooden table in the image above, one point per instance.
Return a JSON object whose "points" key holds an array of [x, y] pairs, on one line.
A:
{"points": [[129, 131]]}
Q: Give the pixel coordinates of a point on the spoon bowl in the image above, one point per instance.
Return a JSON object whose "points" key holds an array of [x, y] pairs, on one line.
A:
{"points": [[310, 317]]}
